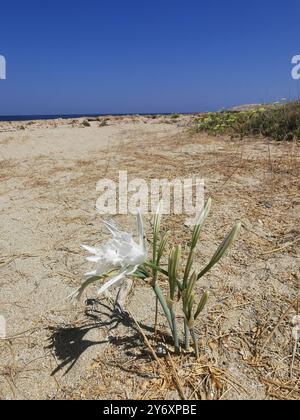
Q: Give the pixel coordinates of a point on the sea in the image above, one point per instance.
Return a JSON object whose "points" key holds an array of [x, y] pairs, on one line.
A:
{"points": [[66, 116]]}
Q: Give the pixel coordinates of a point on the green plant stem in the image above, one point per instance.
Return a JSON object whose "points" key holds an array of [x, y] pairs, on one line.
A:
{"points": [[164, 305], [186, 336], [175, 332], [151, 265], [156, 315], [154, 281], [193, 334]]}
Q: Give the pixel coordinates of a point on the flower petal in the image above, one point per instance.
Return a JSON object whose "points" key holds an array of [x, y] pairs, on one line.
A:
{"points": [[117, 233], [140, 227], [119, 277], [90, 249], [94, 258], [90, 273]]}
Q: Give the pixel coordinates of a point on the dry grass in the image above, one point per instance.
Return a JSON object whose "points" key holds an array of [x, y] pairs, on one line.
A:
{"points": [[247, 350]]}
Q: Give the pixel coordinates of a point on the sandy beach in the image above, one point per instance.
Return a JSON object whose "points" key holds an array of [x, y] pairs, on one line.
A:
{"points": [[48, 173]]}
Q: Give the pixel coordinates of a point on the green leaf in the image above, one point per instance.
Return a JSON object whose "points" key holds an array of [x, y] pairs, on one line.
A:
{"points": [[189, 265], [164, 305], [222, 249], [174, 261], [156, 230], [195, 237], [177, 257], [140, 275], [191, 284], [162, 246], [201, 305], [78, 293], [200, 222], [151, 265], [190, 306]]}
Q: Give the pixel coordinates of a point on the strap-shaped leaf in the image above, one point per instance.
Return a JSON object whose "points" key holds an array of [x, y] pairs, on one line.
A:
{"points": [[201, 305], [78, 293], [191, 284], [222, 249], [177, 257], [141, 274], [174, 261], [189, 265], [151, 265], [195, 237], [200, 222], [190, 306], [156, 229], [162, 246]]}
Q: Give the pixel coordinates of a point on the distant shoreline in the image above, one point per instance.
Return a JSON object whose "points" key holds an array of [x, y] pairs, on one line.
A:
{"points": [[44, 117], [20, 118]]}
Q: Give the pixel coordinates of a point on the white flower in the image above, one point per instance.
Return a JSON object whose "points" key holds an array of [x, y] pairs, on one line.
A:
{"points": [[117, 258]]}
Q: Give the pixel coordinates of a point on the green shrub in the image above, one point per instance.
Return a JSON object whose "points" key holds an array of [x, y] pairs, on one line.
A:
{"points": [[279, 122]]}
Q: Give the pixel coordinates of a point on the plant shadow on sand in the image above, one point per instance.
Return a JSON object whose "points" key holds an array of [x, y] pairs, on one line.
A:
{"points": [[69, 343]]}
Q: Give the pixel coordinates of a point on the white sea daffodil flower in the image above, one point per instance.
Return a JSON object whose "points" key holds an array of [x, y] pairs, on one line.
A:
{"points": [[116, 259]]}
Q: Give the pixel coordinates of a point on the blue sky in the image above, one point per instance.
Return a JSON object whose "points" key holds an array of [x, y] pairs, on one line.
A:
{"points": [[138, 57]]}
